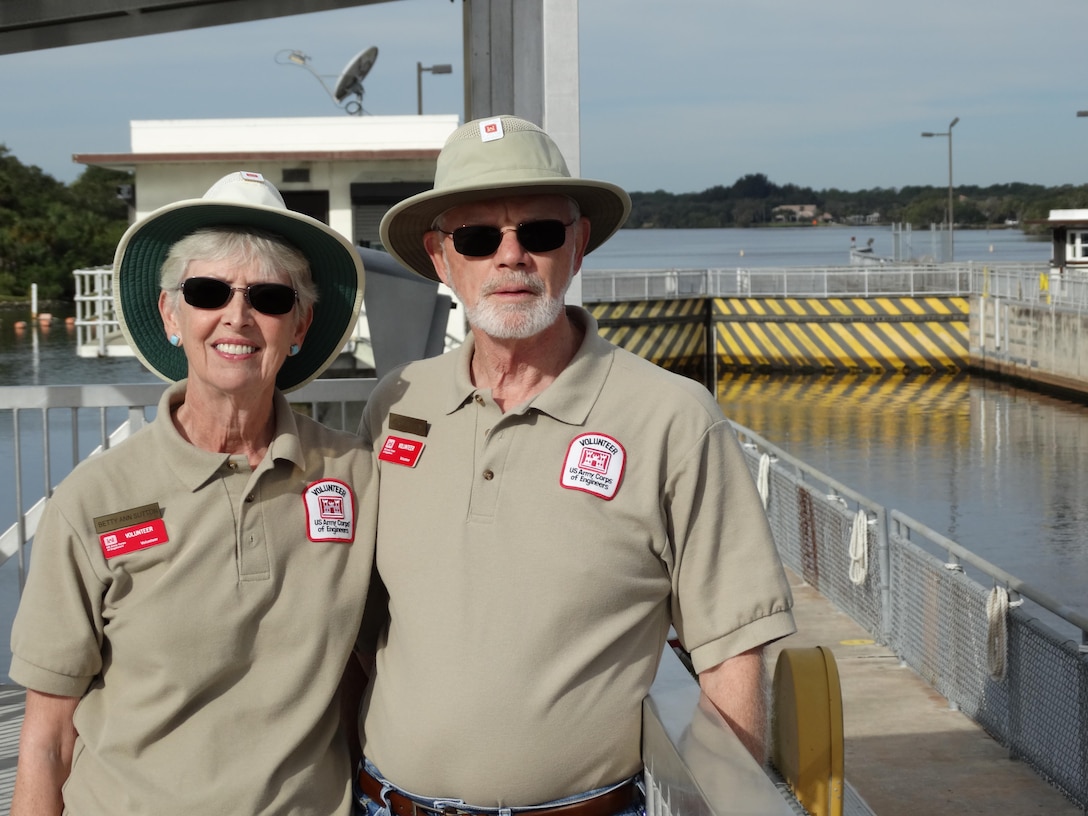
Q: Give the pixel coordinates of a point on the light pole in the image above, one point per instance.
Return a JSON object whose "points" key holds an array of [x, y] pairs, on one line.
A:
{"points": [[434, 69], [951, 222]]}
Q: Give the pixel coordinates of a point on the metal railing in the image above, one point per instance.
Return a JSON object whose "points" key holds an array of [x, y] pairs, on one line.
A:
{"points": [[875, 280], [71, 422], [1048, 286], [1019, 670], [96, 323]]}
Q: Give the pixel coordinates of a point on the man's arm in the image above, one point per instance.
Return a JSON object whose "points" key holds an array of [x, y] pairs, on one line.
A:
{"points": [[738, 689], [45, 754]]}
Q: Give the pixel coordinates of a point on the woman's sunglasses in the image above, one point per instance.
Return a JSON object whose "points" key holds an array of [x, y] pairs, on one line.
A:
{"points": [[266, 298], [534, 236]]}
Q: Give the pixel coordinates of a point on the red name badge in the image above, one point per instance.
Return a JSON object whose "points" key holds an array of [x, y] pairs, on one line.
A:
{"points": [[401, 451], [136, 537]]}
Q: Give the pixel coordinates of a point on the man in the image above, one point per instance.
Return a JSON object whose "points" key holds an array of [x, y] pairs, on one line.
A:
{"points": [[549, 506]]}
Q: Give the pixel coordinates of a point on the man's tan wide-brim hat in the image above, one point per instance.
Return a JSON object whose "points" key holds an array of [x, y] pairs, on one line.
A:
{"points": [[240, 199], [497, 157]]}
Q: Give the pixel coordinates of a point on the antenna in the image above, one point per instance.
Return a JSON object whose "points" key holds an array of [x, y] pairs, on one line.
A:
{"points": [[351, 78]]}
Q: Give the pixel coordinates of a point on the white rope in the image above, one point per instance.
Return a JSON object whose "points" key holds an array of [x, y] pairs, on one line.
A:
{"points": [[859, 548], [763, 482], [997, 639]]}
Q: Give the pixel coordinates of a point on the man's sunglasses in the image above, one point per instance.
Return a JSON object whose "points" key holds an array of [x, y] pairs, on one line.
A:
{"points": [[534, 236], [266, 298]]}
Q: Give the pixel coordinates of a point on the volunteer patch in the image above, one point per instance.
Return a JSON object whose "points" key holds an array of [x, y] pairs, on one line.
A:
{"points": [[400, 451], [330, 511], [130, 539], [594, 464]]}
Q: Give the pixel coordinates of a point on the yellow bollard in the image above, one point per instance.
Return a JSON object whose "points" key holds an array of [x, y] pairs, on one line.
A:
{"points": [[807, 744]]}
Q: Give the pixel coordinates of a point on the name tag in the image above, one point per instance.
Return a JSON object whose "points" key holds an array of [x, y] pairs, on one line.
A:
{"points": [[401, 451], [131, 539]]}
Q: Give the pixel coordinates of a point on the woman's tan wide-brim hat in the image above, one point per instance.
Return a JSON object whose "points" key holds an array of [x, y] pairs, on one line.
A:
{"points": [[241, 199], [491, 158]]}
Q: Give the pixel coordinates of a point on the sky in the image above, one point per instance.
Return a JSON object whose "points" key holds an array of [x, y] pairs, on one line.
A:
{"points": [[676, 95]]}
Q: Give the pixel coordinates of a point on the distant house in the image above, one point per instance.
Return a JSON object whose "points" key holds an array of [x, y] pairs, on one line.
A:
{"points": [[795, 212], [869, 220]]}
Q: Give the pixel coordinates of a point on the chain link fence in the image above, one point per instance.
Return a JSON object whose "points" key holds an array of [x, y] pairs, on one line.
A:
{"points": [[1002, 652]]}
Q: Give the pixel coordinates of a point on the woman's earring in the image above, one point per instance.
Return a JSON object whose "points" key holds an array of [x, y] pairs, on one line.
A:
{"points": [[295, 349], [175, 340]]}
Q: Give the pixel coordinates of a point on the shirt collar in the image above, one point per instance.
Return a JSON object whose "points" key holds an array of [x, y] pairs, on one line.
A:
{"points": [[573, 393], [194, 466]]}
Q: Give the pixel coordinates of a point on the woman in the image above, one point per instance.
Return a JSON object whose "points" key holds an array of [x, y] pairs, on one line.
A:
{"points": [[195, 592]]}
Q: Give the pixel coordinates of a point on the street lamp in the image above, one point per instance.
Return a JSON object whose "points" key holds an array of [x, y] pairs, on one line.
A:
{"points": [[951, 237], [434, 69]]}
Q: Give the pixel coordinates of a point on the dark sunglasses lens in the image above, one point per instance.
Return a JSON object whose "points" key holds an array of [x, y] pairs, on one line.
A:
{"points": [[271, 298], [210, 293], [476, 242], [205, 293], [542, 236], [535, 236]]}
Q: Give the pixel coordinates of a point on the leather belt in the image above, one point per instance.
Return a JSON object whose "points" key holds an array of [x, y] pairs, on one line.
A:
{"points": [[606, 804]]}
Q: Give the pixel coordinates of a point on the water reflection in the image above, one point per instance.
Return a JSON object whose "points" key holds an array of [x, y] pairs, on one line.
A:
{"points": [[996, 468], [45, 353]]}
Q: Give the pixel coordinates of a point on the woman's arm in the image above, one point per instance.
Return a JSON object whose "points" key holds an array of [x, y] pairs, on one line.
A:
{"points": [[45, 754]]}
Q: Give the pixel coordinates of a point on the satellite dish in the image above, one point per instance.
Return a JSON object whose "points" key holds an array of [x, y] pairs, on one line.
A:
{"points": [[351, 78]]}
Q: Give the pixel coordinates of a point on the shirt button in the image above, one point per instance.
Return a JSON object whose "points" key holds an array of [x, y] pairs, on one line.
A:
{"points": [[479, 399], [250, 498], [232, 465], [488, 475]]}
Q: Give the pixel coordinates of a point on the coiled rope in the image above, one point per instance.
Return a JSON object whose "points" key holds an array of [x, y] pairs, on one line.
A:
{"points": [[763, 481], [859, 548], [997, 637]]}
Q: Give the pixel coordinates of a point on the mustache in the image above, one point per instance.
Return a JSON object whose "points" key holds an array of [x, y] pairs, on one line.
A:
{"points": [[513, 280]]}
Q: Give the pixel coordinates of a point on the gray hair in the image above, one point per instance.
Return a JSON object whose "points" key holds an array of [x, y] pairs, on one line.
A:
{"points": [[272, 255]]}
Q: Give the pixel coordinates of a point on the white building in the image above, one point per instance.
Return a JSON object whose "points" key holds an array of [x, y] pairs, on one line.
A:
{"points": [[343, 170]]}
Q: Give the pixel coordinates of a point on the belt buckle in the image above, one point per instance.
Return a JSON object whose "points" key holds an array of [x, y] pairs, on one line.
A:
{"points": [[452, 807]]}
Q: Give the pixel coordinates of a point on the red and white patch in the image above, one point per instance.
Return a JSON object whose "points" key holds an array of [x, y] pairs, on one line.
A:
{"points": [[594, 464], [401, 451], [491, 129], [330, 511], [130, 539]]}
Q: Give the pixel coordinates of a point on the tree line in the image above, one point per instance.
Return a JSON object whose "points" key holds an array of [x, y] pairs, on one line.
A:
{"points": [[48, 228], [751, 201]]}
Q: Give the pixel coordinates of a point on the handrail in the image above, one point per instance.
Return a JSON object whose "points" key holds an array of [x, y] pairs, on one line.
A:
{"points": [[1032, 282], [136, 398], [1010, 581], [902, 520]]}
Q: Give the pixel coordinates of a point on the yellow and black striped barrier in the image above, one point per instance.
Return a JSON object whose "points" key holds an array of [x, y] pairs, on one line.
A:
{"points": [[803, 335]]}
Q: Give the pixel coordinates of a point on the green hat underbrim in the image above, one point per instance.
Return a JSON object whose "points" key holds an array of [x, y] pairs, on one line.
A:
{"points": [[335, 267]]}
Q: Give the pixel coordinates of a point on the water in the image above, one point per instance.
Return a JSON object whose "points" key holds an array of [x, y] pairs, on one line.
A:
{"points": [[996, 468], [795, 246]]}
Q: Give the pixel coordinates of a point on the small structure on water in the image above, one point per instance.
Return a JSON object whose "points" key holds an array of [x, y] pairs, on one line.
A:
{"points": [[1069, 239]]}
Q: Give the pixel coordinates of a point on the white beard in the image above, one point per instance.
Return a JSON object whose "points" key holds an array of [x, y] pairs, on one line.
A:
{"points": [[514, 321]]}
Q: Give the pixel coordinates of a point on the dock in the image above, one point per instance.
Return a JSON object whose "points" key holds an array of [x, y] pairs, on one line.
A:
{"points": [[907, 751]]}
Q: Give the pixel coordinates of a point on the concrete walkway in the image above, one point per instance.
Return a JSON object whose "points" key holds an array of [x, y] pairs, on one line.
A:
{"points": [[907, 752]]}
